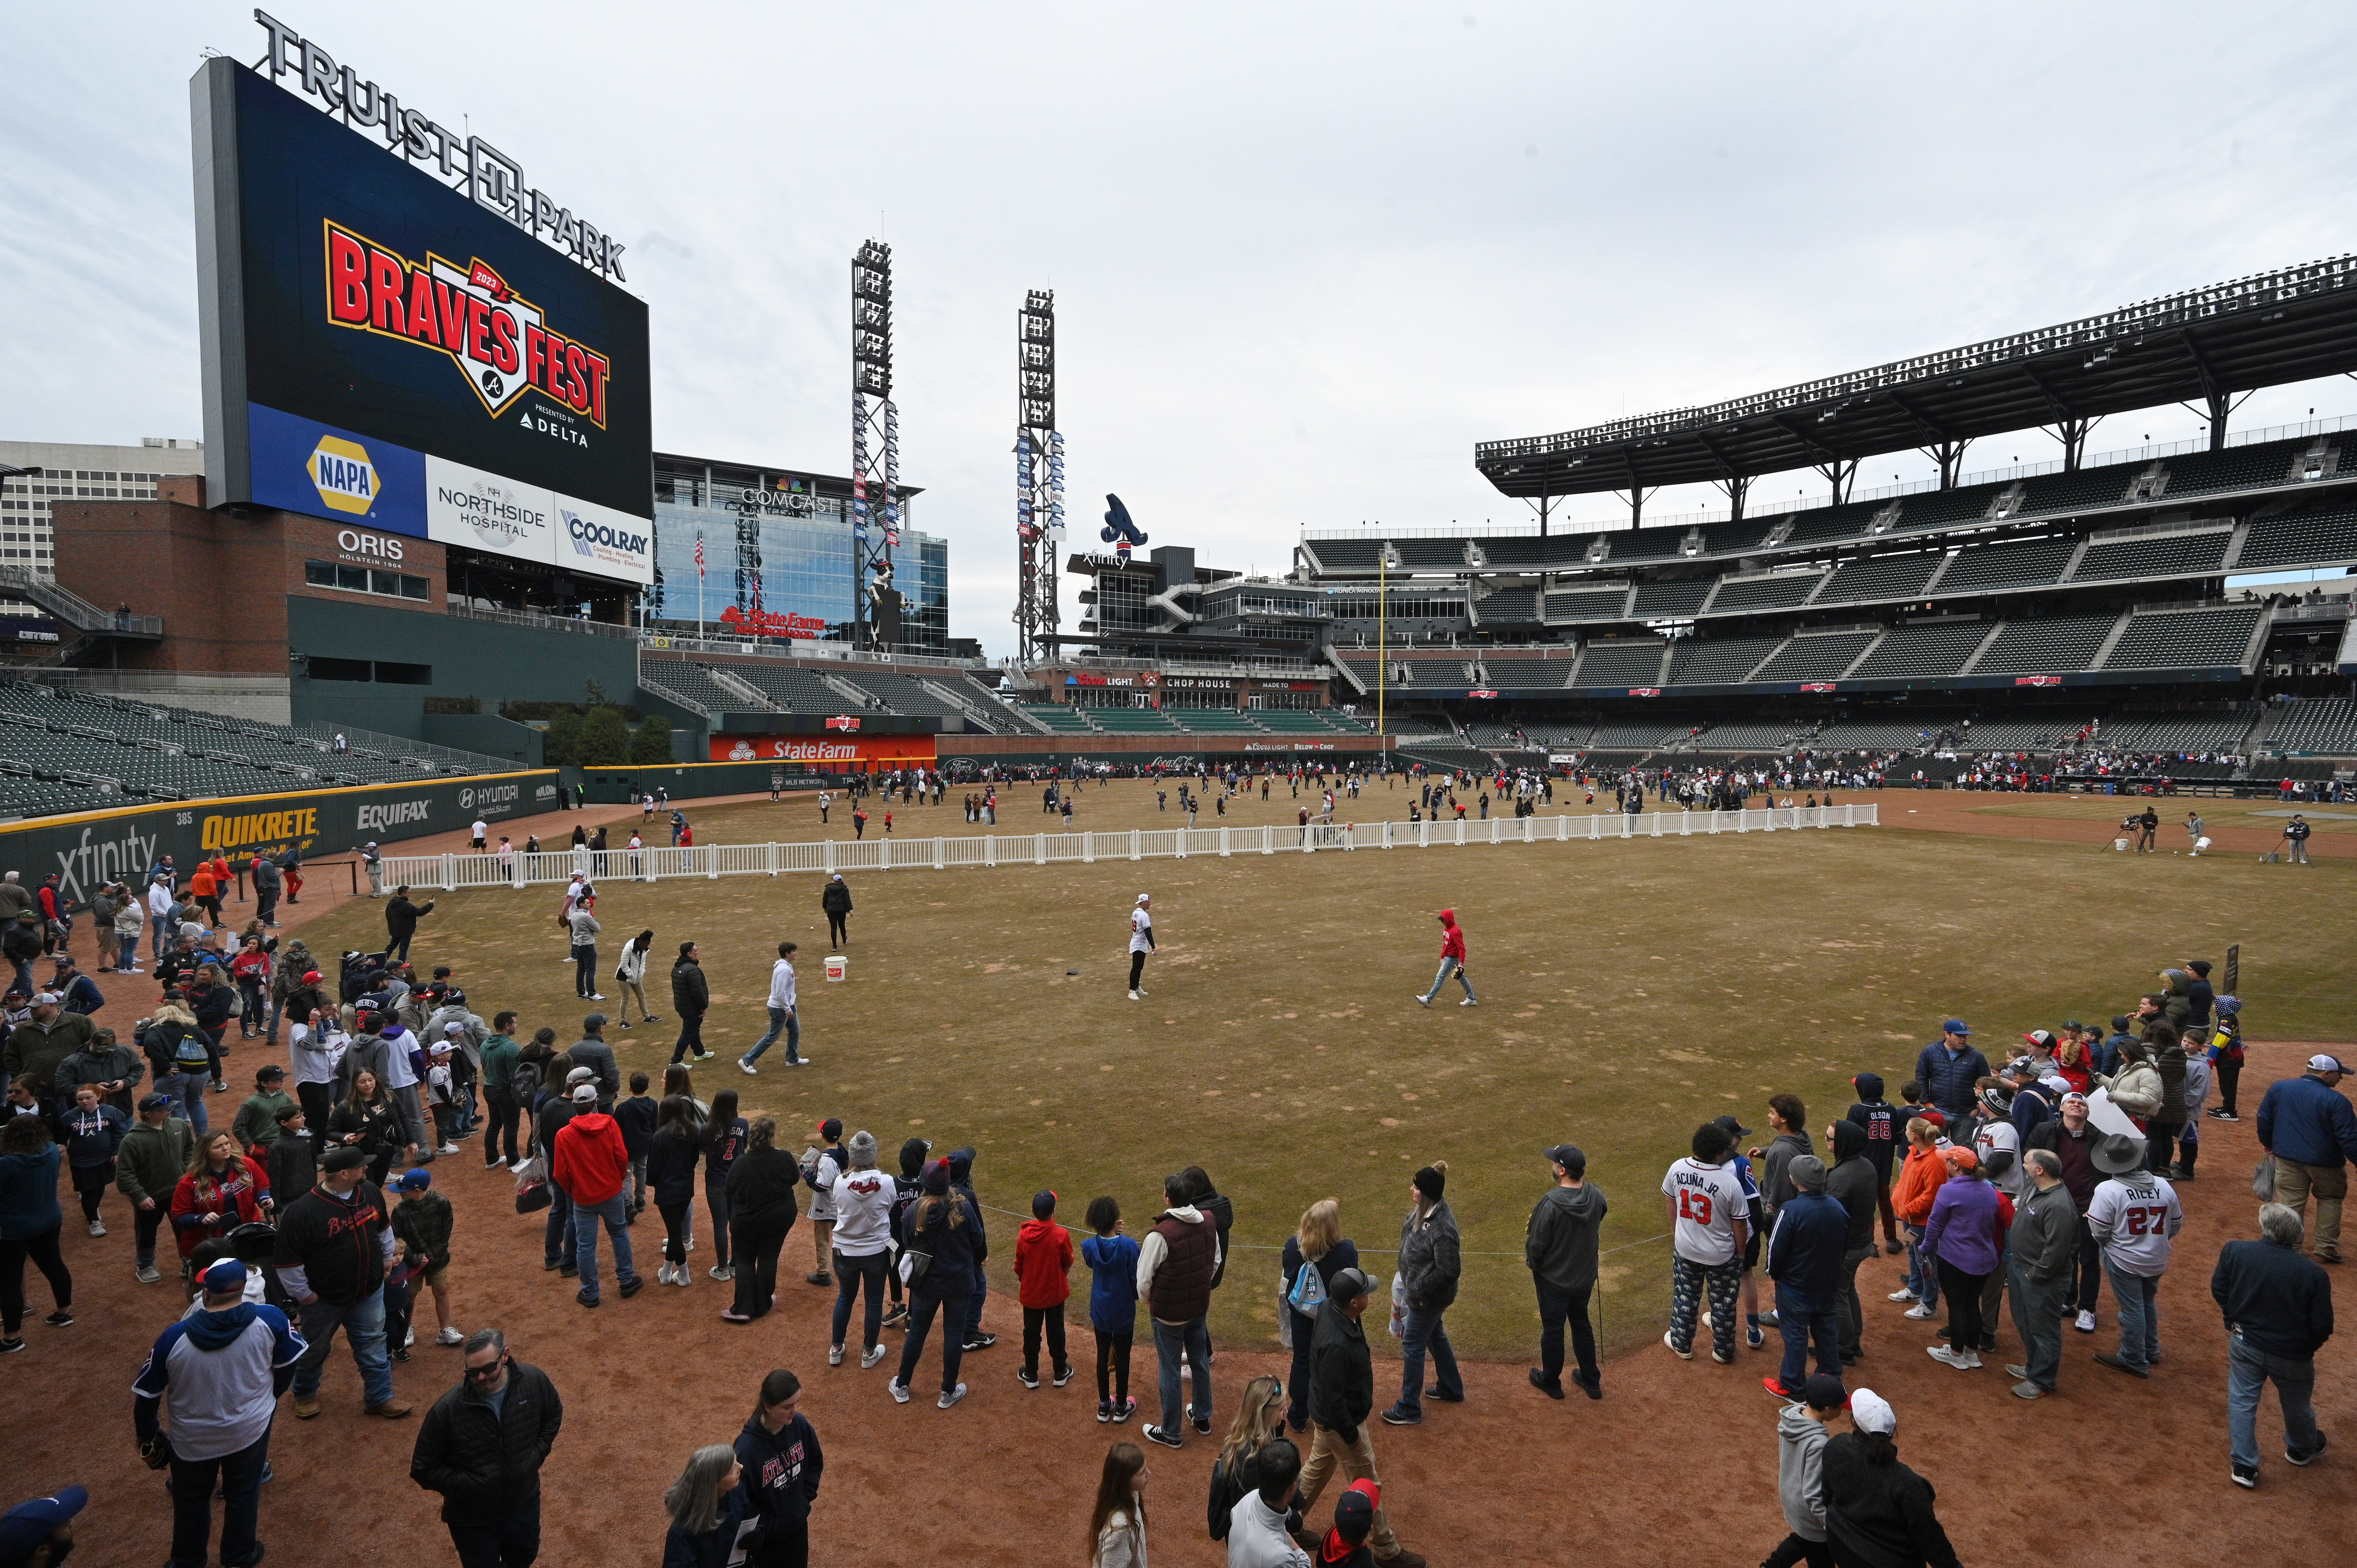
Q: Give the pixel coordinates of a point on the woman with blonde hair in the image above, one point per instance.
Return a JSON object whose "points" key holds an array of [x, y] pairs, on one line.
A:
{"points": [[1319, 1244], [1117, 1522], [1235, 1474], [706, 1507]]}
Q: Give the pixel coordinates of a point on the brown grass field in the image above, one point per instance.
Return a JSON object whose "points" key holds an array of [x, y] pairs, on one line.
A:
{"points": [[1629, 991]]}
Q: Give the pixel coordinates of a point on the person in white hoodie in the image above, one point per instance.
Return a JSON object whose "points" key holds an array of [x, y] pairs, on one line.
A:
{"points": [[1257, 1537], [629, 978], [863, 1241], [1801, 1436], [784, 1014]]}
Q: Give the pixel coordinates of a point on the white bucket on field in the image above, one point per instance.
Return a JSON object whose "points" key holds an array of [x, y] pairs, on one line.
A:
{"points": [[836, 966]]}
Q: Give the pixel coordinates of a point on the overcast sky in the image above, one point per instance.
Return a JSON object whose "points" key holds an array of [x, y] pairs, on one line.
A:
{"points": [[1304, 256]]}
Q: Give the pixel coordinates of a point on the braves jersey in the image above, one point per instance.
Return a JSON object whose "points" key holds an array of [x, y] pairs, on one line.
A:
{"points": [[1709, 1200], [1141, 930], [1884, 1132], [2134, 1217]]}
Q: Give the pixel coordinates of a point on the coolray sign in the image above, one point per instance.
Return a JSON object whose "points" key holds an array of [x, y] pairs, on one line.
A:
{"points": [[1291, 746], [618, 551], [499, 341], [358, 318], [2038, 679], [761, 622], [489, 175], [377, 818]]}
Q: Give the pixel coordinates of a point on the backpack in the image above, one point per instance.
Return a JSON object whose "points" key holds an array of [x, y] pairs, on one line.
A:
{"points": [[1308, 1290]]}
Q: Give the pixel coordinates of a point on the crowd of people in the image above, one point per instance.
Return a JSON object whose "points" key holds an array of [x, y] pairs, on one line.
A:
{"points": [[2045, 1178]]}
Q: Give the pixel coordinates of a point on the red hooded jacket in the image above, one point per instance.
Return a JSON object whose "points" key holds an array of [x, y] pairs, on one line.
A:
{"points": [[1452, 941], [1043, 1264], [591, 1163]]}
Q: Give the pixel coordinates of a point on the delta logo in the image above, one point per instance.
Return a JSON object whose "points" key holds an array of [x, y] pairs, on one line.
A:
{"points": [[347, 480], [500, 340]]}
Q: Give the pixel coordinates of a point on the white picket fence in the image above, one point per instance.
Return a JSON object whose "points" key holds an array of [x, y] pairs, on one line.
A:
{"points": [[444, 872]]}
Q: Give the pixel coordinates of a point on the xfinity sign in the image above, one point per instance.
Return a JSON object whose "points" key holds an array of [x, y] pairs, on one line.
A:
{"points": [[494, 180]]}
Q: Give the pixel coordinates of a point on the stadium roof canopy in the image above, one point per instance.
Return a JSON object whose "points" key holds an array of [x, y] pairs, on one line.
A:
{"points": [[2205, 345]]}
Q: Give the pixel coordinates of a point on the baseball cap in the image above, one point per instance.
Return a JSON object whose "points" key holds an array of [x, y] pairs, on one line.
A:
{"points": [[311, 977], [2042, 1036], [2055, 1081], [581, 1075], [40, 997], [1354, 1511], [273, 1070], [585, 1094], [2323, 1063], [1961, 1157], [595, 1021], [1568, 1156], [343, 1159], [155, 1102], [30, 1523], [454, 1028], [1871, 1413], [418, 1178], [1731, 1127], [1954, 1027], [228, 1274], [1824, 1391], [1348, 1282], [2074, 1094]]}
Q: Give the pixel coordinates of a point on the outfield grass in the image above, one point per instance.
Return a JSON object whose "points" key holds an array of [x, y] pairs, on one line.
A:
{"points": [[1629, 991]]}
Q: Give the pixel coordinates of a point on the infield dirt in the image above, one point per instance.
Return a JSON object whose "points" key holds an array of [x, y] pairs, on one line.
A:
{"points": [[1629, 991]]}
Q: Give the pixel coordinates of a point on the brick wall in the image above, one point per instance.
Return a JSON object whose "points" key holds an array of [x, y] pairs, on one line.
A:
{"points": [[221, 580]]}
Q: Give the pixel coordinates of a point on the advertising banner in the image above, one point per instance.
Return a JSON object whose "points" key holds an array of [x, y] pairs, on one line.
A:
{"points": [[833, 750], [380, 348], [91, 849]]}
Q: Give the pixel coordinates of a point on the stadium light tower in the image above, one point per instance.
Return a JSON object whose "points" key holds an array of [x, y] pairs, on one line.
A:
{"points": [[1039, 478], [875, 449]]}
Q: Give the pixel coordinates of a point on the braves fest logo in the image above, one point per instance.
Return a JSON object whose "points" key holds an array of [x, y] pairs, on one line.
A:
{"points": [[500, 340]]}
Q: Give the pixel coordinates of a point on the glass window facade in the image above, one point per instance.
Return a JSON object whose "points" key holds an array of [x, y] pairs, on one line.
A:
{"points": [[779, 544]]}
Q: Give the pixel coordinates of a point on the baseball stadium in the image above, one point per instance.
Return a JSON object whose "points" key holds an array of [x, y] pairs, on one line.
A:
{"points": [[1120, 952]]}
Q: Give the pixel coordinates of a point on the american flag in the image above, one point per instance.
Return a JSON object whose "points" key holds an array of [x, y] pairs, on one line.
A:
{"points": [[699, 557]]}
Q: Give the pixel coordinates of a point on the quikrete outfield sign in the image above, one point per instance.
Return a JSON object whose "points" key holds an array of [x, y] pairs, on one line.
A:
{"points": [[91, 849]]}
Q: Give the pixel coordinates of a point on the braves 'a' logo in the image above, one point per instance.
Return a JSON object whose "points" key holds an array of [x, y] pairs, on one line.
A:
{"points": [[500, 340]]}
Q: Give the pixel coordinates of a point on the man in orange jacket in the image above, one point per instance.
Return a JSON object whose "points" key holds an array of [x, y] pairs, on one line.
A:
{"points": [[592, 1166]]}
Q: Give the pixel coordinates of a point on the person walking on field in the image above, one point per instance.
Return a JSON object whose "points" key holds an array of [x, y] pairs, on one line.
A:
{"points": [[1452, 962], [593, 1167], [2134, 1216], [836, 900], [783, 1463], [1176, 1261], [482, 1445], [1430, 1265], [1341, 1403], [222, 1369], [1805, 1258], [1141, 942], [1560, 1247], [2279, 1309], [2041, 1251], [2307, 1124], [1707, 1208], [691, 997], [335, 1244], [784, 1015]]}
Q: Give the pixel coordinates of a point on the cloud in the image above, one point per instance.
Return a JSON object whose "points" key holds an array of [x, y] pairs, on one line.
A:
{"points": [[1304, 257]]}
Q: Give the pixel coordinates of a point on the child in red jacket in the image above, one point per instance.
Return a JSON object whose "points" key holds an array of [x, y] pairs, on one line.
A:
{"points": [[1043, 1268]]}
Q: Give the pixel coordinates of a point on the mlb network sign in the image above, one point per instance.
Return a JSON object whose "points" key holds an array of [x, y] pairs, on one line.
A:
{"points": [[302, 465]]}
